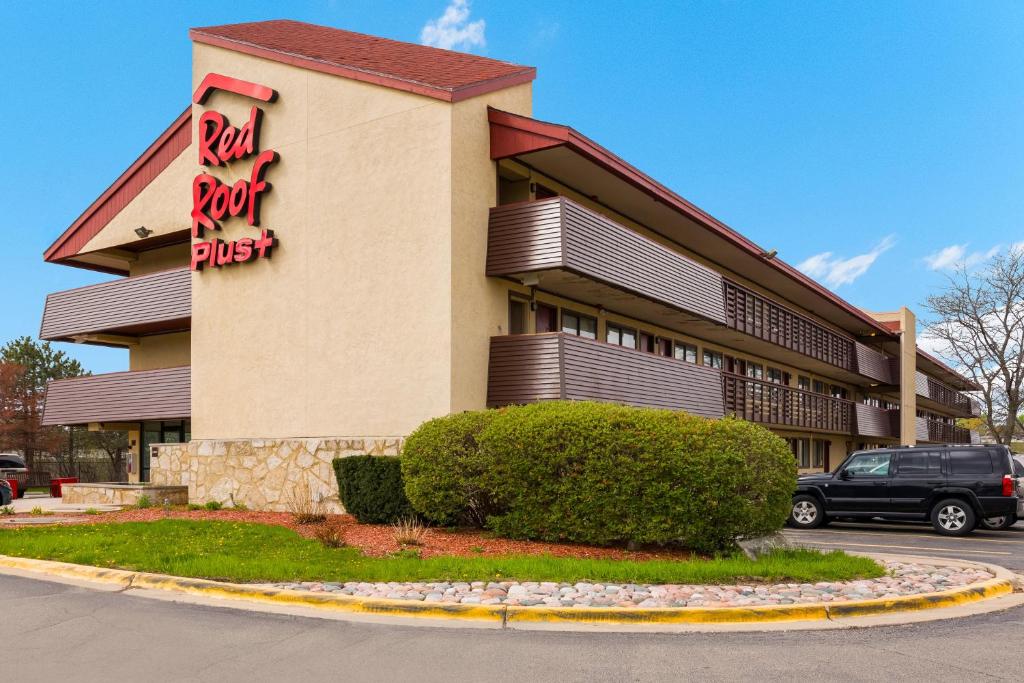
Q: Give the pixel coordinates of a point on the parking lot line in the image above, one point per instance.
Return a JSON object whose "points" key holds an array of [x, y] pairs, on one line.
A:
{"points": [[891, 534], [910, 547]]}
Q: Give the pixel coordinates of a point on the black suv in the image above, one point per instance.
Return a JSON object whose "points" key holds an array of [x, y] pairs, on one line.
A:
{"points": [[953, 486]]}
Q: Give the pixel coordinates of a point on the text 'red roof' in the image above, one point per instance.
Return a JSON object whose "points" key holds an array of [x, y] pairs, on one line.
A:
{"points": [[430, 71]]}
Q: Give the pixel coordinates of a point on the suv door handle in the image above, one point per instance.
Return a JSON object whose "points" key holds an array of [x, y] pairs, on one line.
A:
{"points": [[935, 483], [879, 483]]}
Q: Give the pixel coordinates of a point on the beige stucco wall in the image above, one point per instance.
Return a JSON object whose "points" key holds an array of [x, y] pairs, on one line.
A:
{"points": [[158, 207], [908, 371], [349, 328], [160, 351], [479, 304]]}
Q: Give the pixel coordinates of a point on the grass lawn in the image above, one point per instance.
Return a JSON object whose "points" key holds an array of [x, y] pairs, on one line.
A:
{"points": [[243, 552]]}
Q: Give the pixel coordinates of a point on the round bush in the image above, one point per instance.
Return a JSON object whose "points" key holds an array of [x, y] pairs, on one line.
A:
{"points": [[371, 489], [443, 469], [602, 473]]}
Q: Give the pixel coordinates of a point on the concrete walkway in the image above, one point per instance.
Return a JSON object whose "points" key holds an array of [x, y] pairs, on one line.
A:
{"points": [[50, 504]]}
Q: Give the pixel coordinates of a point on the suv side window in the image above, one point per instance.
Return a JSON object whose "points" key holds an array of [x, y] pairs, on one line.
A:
{"points": [[870, 464], [920, 463], [974, 461]]}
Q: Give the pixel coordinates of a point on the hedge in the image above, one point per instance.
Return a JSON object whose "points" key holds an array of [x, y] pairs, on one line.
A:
{"points": [[603, 474], [371, 488], [444, 470]]}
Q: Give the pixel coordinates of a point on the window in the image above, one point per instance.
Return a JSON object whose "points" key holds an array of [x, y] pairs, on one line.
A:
{"points": [[646, 342], [713, 359], [920, 462], [819, 387], [580, 325], [838, 391], [546, 317], [870, 464], [755, 370], [517, 316], [776, 376], [664, 347], [821, 453], [801, 449], [621, 336], [688, 353], [974, 461], [803, 383], [541, 192]]}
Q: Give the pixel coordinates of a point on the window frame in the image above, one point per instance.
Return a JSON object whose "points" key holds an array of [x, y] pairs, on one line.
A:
{"points": [[580, 317]]}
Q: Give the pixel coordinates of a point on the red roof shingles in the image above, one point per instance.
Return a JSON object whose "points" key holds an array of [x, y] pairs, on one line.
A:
{"points": [[430, 71]]}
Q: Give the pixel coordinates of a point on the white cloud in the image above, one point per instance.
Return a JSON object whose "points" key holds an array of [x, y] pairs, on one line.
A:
{"points": [[956, 255], [453, 29], [843, 271]]}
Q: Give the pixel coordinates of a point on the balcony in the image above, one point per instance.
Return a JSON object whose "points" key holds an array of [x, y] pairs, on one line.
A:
{"points": [[119, 397], [116, 313], [758, 316], [933, 394], [783, 406], [936, 431], [570, 250], [545, 367], [585, 256]]}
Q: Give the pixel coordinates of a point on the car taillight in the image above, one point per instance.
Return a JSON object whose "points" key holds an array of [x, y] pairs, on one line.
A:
{"points": [[1007, 485]]}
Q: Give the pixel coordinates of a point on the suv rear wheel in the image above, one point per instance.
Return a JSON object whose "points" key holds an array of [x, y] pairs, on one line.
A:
{"points": [[807, 513], [953, 517], [999, 523]]}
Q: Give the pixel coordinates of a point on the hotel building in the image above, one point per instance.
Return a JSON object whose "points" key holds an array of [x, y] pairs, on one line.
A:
{"points": [[343, 236]]}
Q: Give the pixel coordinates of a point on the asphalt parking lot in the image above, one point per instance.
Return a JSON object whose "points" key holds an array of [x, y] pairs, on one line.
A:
{"points": [[1005, 548]]}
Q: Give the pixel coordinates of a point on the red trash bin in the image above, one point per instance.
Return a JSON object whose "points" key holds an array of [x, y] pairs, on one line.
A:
{"points": [[14, 488], [55, 485]]}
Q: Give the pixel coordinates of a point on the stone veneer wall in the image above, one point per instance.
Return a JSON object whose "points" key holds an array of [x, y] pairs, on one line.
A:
{"points": [[262, 474]]}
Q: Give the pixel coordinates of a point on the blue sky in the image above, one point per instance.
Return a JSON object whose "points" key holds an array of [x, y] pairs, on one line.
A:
{"points": [[876, 143]]}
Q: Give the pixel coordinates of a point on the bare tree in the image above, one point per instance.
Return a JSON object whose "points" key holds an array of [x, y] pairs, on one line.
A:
{"points": [[978, 322]]}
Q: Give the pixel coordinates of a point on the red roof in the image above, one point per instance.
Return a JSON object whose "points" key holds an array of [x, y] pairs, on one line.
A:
{"points": [[430, 71]]}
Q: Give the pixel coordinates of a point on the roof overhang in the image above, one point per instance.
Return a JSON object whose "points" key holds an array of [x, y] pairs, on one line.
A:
{"points": [[68, 247], [576, 161]]}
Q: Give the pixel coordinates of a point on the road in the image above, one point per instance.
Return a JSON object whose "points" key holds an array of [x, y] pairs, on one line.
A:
{"points": [[58, 632], [1005, 548], [61, 632]]}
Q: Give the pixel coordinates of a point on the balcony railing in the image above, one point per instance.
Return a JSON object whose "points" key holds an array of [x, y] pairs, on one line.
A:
{"points": [[945, 396], [539, 367], [937, 431], [754, 314], [147, 304], [776, 404]]}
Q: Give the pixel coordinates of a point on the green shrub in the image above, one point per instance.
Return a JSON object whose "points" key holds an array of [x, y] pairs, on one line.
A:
{"points": [[213, 505], [443, 469], [371, 488], [143, 502], [602, 474]]}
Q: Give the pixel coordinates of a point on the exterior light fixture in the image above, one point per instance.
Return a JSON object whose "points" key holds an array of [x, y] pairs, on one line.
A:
{"points": [[769, 255], [142, 231]]}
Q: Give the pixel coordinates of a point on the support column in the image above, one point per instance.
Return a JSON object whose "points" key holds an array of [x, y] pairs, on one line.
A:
{"points": [[908, 377]]}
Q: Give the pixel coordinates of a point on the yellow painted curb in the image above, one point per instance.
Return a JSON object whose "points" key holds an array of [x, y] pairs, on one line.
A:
{"points": [[516, 613]]}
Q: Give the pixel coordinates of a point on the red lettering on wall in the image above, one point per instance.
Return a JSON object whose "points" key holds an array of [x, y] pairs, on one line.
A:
{"points": [[213, 200]]}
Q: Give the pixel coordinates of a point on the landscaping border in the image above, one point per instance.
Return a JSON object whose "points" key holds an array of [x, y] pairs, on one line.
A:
{"points": [[1002, 584]]}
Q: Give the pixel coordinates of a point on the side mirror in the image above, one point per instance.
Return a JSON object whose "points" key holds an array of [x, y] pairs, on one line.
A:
{"points": [[846, 474]]}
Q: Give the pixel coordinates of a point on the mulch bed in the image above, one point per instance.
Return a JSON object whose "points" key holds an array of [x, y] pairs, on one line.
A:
{"points": [[378, 540]]}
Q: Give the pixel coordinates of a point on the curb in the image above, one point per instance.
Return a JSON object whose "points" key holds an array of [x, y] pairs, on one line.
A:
{"points": [[1001, 585]]}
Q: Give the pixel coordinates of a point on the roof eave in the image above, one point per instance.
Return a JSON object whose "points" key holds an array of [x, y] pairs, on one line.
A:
{"points": [[538, 135]]}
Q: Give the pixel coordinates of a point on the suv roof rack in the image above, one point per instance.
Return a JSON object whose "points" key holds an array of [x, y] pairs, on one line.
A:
{"points": [[945, 445]]}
